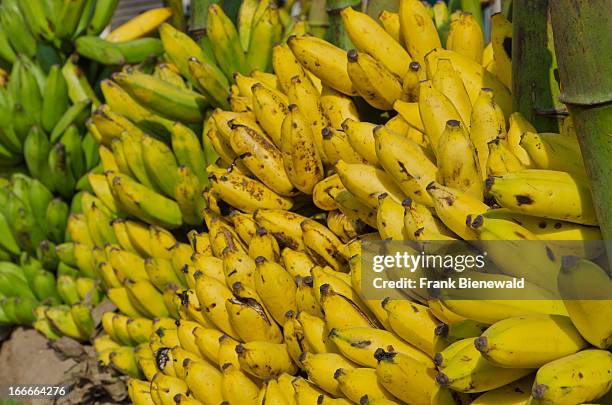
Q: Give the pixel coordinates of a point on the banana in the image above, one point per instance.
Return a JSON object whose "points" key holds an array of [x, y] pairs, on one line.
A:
{"points": [[302, 93], [447, 334], [588, 316], [324, 60], [246, 13], [391, 23], [405, 378], [410, 113], [458, 166], [270, 109], [501, 41], [389, 218], [306, 392], [453, 206], [355, 383], [554, 152], [251, 321], [237, 387], [300, 155], [61, 319], [101, 16], [225, 42], [517, 126], [447, 81], [222, 235], [435, 110], [467, 371], [369, 37], [412, 322], [516, 393], [321, 370], [140, 26], [261, 157], [166, 388], [567, 195], [337, 107], [162, 97], [187, 195], [465, 37], [204, 381], [412, 81], [367, 182], [145, 296], [284, 225], [275, 287], [354, 209], [322, 245], [124, 361], [561, 381], [323, 190], [442, 358], [336, 146], [417, 29], [296, 263], [556, 335], [160, 163], [265, 32], [264, 244], [501, 160], [238, 267], [212, 295], [373, 81], [420, 224], [210, 80], [55, 98], [407, 162], [144, 203], [17, 30], [360, 136], [140, 392], [286, 66], [340, 311], [265, 360], [359, 345]]}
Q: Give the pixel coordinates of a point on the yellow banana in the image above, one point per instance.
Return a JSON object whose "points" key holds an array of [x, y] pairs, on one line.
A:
{"points": [[322, 245], [412, 79], [225, 42], [204, 381], [270, 110], [447, 81], [207, 341], [276, 288], [406, 162], [301, 158], [588, 316], [221, 235], [251, 321], [286, 66], [296, 263], [501, 160], [435, 110], [367, 182], [284, 225], [453, 206], [554, 152], [237, 387], [465, 37], [356, 383], [166, 388], [344, 227], [324, 60], [418, 29], [244, 226], [337, 107], [238, 267], [369, 37], [340, 311], [391, 23], [360, 136], [515, 393], [420, 224], [321, 369], [501, 36], [567, 196], [360, 344], [140, 26], [212, 295], [390, 218], [336, 146], [404, 377], [412, 322], [265, 360], [264, 244], [354, 209], [458, 165], [323, 190], [146, 296], [373, 81], [410, 113], [562, 381]]}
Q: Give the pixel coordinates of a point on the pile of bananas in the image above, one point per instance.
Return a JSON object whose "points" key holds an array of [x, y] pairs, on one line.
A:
{"points": [[46, 29]]}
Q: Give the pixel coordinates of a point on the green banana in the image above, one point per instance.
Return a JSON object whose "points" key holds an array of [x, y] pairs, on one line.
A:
{"points": [[70, 116], [160, 164], [188, 151], [68, 18], [35, 152], [55, 98], [59, 167], [103, 12], [211, 81], [225, 42], [56, 219]]}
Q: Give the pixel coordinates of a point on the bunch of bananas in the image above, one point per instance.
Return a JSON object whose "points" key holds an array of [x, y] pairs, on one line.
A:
{"points": [[43, 116], [47, 29], [269, 289]]}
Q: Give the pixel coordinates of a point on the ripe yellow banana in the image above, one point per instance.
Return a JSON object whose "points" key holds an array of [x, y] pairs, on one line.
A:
{"points": [[322, 245], [354, 209], [237, 387], [501, 160], [264, 244], [140, 26], [144, 295], [579, 378], [360, 135], [373, 81], [337, 107], [554, 152], [468, 371], [404, 377], [435, 110], [367, 182], [284, 225], [360, 344], [203, 380], [336, 146], [356, 383], [296, 263], [323, 190], [406, 162], [340, 311], [545, 193], [275, 287], [501, 40], [453, 206], [420, 224], [324, 60], [265, 360], [458, 165], [412, 322], [588, 316], [270, 110], [391, 23], [322, 367], [412, 79], [286, 66], [369, 37], [418, 29], [301, 157], [251, 321], [465, 37], [390, 218], [448, 82]]}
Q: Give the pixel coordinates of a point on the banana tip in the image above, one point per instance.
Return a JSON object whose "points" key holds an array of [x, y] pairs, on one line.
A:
{"points": [[438, 358], [489, 182], [442, 379], [569, 263], [381, 355], [538, 391], [441, 330], [352, 55], [239, 349], [481, 343], [385, 302], [338, 373]]}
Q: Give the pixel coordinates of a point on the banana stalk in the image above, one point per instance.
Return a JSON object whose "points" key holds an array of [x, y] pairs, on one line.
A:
{"points": [[584, 82], [337, 33]]}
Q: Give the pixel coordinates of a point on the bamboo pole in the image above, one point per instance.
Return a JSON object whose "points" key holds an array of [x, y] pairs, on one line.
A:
{"points": [[585, 71], [317, 18], [178, 14], [535, 90]]}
